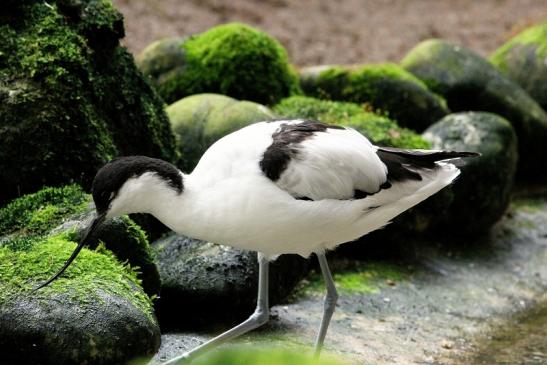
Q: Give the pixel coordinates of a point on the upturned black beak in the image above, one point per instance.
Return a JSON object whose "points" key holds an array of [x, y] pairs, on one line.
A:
{"points": [[87, 235]]}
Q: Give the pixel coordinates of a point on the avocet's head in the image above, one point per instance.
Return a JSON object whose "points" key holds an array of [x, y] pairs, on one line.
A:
{"points": [[132, 184]]}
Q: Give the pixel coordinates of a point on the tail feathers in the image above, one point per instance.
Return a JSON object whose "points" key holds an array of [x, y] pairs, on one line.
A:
{"points": [[405, 164], [427, 156]]}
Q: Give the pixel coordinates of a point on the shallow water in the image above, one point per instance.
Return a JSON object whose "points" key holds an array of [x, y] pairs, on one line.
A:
{"points": [[520, 341]]}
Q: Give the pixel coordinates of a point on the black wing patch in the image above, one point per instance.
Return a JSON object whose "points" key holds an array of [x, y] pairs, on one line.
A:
{"points": [[403, 165], [277, 156]]}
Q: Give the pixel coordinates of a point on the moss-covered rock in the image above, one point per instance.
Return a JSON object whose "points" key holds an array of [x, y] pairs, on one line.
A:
{"points": [[470, 83], [231, 59], [524, 59], [36, 214], [69, 209], [70, 97], [163, 60], [379, 129], [127, 241], [200, 120], [197, 276], [386, 88], [95, 313], [483, 190]]}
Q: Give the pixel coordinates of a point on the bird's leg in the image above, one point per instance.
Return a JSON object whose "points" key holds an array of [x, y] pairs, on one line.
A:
{"points": [[330, 302], [257, 319]]}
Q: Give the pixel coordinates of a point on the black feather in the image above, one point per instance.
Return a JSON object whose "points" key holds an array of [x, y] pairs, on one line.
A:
{"points": [[111, 177], [402, 164], [284, 146]]}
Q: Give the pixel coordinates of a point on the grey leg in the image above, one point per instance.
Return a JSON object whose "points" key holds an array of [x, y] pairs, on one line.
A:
{"points": [[330, 302], [257, 319]]}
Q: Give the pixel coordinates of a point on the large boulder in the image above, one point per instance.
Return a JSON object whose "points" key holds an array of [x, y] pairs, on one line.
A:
{"points": [[386, 88], [96, 313], [68, 209], [200, 120], [470, 83], [379, 129], [71, 98], [231, 59], [197, 276], [524, 59], [483, 190]]}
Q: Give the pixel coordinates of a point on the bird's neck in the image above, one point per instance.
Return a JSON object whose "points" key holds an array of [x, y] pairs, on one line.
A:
{"points": [[188, 212]]}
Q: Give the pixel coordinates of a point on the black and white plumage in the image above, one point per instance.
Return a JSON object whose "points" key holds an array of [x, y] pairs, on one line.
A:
{"points": [[286, 186]]}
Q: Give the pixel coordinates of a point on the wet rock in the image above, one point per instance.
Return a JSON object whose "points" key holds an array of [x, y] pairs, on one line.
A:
{"points": [[204, 283], [64, 77], [470, 83], [385, 88], [200, 120], [483, 190], [95, 313], [524, 60], [231, 59]]}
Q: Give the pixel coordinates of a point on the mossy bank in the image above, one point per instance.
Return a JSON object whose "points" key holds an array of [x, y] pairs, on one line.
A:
{"points": [[68, 210], [71, 97]]}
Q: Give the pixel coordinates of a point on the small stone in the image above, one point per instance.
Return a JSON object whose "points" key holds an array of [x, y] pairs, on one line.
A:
{"points": [[390, 282], [446, 344]]}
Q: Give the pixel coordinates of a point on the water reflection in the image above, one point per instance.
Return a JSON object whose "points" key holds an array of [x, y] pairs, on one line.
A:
{"points": [[520, 341]]}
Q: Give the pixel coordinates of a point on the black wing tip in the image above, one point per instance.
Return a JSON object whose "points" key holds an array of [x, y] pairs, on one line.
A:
{"points": [[436, 155]]}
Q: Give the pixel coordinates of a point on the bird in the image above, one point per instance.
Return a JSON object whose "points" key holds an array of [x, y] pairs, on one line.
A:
{"points": [[292, 186]]}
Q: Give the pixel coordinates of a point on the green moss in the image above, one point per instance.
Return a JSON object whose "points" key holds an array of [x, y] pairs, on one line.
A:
{"points": [[452, 69], [534, 36], [246, 356], [530, 205], [236, 60], [35, 214], [64, 77], [379, 129], [386, 88], [26, 263], [359, 83], [367, 278]]}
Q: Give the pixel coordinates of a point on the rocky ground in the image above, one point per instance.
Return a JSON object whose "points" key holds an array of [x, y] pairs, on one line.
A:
{"points": [[457, 303], [350, 31]]}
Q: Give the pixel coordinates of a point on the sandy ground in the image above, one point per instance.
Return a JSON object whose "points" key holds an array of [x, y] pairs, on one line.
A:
{"points": [[347, 31]]}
